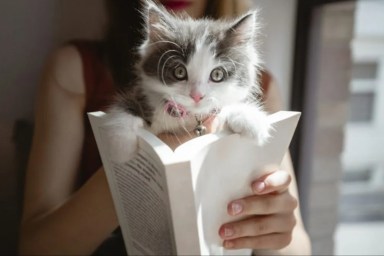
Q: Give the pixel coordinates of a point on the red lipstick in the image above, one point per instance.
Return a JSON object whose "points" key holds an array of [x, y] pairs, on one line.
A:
{"points": [[175, 5]]}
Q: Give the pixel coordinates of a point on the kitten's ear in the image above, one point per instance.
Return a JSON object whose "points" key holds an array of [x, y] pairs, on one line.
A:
{"points": [[244, 29], [157, 21]]}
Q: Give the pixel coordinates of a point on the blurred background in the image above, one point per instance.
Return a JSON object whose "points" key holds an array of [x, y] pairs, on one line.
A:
{"points": [[328, 59]]}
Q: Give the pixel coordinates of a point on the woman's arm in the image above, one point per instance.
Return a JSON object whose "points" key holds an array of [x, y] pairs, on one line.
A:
{"points": [[56, 218]]}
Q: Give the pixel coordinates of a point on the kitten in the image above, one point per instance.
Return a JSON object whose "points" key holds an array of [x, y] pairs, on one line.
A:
{"points": [[190, 70]]}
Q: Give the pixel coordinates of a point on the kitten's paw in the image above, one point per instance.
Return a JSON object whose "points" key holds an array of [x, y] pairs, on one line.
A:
{"points": [[122, 135], [246, 120]]}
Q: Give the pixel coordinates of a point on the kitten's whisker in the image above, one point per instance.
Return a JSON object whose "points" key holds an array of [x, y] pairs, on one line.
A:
{"points": [[168, 128], [233, 62], [181, 121], [186, 130], [176, 135], [227, 70], [166, 124], [160, 59], [183, 126], [162, 70]]}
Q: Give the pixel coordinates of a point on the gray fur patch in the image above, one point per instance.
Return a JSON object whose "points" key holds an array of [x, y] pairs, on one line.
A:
{"points": [[175, 41], [165, 57], [178, 45], [135, 102]]}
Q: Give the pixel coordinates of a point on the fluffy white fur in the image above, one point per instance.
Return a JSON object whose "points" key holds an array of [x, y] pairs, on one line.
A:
{"points": [[122, 135], [246, 120], [235, 116]]}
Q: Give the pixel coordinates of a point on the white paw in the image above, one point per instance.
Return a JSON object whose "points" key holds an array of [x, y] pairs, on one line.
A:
{"points": [[122, 135], [247, 120]]}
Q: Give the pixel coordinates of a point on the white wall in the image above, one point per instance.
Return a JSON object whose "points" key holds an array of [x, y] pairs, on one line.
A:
{"points": [[278, 19], [29, 31]]}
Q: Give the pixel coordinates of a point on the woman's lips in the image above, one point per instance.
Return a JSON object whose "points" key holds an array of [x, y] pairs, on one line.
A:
{"points": [[175, 5]]}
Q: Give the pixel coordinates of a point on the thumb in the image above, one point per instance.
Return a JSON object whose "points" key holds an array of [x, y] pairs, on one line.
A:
{"points": [[277, 181]]}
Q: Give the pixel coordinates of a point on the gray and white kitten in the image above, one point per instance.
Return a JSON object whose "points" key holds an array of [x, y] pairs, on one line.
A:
{"points": [[197, 66]]}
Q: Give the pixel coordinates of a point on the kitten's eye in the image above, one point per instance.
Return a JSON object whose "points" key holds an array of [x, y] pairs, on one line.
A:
{"points": [[180, 73], [218, 75]]}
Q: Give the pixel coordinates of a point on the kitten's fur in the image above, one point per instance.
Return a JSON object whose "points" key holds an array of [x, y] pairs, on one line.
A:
{"points": [[200, 46]]}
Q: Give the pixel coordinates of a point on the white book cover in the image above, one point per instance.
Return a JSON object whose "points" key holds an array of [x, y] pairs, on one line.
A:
{"points": [[174, 202]]}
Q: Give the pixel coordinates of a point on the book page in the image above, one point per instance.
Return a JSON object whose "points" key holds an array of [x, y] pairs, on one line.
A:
{"points": [[140, 195], [224, 171], [181, 194]]}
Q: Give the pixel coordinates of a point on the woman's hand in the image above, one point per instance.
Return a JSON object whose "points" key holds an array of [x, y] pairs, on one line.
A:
{"points": [[268, 215]]}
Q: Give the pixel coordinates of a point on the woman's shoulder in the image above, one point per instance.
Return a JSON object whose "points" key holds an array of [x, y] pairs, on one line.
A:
{"points": [[66, 69]]}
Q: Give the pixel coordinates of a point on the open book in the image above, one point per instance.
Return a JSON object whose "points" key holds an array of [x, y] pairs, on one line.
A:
{"points": [[173, 202]]}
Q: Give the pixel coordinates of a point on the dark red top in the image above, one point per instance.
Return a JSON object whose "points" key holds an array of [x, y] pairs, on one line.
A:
{"points": [[99, 91], [99, 94]]}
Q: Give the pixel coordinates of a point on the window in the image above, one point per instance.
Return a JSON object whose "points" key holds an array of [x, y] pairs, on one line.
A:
{"points": [[364, 70], [361, 107], [338, 85]]}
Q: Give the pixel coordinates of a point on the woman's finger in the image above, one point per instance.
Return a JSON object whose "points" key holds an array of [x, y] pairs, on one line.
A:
{"points": [[277, 181], [270, 241], [263, 204], [258, 225]]}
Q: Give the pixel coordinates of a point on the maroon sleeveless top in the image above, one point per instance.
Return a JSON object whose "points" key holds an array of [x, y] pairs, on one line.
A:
{"points": [[99, 91], [99, 94]]}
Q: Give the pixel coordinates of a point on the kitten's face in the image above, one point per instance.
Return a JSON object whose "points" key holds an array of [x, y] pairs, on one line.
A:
{"points": [[199, 64]]}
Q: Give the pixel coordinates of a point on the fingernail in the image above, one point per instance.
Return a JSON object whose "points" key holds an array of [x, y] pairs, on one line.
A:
{"points": [[228, 244], [236, 208], [259, 186], [228, 232]]}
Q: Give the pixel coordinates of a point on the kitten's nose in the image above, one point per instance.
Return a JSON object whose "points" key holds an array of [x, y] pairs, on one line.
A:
{"points": [[196, 96]]}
